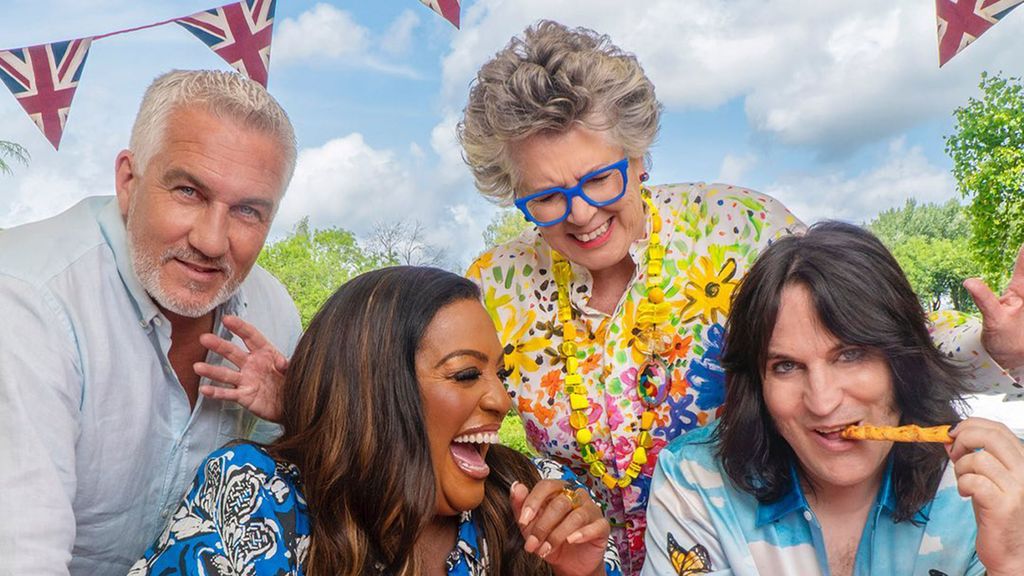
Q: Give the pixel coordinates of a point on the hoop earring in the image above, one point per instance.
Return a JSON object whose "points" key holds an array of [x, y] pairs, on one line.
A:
{"points": [[644, 176]]}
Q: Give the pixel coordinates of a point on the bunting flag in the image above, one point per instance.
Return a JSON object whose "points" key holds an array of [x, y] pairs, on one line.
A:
{"points": [[239, 33], [448, 8], [963, 21], [43, 78]]}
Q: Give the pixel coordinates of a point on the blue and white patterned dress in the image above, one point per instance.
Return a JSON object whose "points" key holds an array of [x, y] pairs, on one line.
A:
{"points": [[698, 522], [245, 515]]}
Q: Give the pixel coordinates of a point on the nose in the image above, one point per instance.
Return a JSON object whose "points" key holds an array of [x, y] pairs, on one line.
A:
{"points": [[209, 234], [496, 398], [580, 212], [823, 394]]}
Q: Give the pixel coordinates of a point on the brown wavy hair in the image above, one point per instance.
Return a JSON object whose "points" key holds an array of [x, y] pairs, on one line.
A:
{"points": [[353, 425], [863, 299]]}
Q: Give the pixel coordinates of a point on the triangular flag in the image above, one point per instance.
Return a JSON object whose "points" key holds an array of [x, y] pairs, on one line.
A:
{"points": [[43, 78], [447, 8], [963, 21], [239, 33]]}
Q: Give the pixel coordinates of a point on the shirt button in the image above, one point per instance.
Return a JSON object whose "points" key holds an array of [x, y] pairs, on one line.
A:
{"points": [[158, 321], [143, 323], [807, 515], [163, 513]]}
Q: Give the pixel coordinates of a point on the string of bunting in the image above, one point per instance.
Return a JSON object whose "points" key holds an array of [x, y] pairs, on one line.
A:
{"points": [[44, 77]]}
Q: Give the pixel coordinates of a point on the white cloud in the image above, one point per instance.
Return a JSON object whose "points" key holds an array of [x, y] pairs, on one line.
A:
{"points": [[398, 37], [321, 32], [734, 168], [445, 143], [831, 76], [901, 173]]}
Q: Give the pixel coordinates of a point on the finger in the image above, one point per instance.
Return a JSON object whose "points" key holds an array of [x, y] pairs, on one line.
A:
{"points": [[984, 494], [571, 524], [221, 374], [536, 498], [517, 495], [597, 531], [984, 298], [218, 393], [281, 363], [252, 337], [995, 438], [983, 463], [556, 510], [228, 350], [1017, 279]]}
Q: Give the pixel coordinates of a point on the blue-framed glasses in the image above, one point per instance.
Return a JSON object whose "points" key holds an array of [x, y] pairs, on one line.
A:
{"points": [[601, 187]]}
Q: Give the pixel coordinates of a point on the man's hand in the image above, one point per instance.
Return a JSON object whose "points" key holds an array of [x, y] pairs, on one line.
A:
{"points": [[258, 382], [1002, 318]]}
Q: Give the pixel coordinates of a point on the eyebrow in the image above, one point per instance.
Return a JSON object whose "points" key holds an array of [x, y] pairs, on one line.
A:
{"points": [[466, 352], [176, 174]]}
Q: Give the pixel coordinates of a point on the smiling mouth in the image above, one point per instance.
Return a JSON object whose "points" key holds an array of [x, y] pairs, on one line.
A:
{"points": [[468, 451], [595, 233], [198, 268]]}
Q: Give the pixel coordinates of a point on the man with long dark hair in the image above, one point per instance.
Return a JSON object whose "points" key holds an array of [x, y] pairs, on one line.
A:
{"points": [[826, 333]]}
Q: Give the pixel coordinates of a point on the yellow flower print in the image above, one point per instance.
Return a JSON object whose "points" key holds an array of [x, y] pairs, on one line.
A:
{"points": [[708, 293], [519, 350], [476, 270], [492, 302]]}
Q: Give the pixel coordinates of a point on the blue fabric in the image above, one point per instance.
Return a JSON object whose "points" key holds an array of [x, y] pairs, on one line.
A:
{"points": [[99, 440], [245, 514], [697, 516]]}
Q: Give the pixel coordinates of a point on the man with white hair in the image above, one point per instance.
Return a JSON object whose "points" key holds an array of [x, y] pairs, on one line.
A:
{"points": [[102, 423]]}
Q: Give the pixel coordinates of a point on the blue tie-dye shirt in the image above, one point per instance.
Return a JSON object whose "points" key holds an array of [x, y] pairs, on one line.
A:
{"points": [[698, 522]]}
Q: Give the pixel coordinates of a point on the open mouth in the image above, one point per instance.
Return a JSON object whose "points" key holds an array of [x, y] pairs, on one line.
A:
{"points": [[468, 452], [595, 236], [832, 433], [198, 269]]}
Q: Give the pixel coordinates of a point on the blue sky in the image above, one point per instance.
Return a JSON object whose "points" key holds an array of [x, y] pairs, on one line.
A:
{"points": [[837, 108]]}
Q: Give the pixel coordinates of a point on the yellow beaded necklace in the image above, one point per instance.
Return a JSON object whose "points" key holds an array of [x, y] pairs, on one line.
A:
{"points": [[651, 341]]}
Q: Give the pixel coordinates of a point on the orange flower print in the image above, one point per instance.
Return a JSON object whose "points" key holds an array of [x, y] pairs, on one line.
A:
{"points": [[551, 382]]}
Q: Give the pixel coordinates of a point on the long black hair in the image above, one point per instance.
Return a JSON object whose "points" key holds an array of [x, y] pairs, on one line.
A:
{"points": [[354, 426], [862, 298]]}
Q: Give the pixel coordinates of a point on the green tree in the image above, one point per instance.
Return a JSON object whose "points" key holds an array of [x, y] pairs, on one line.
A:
{"points": [[987, 149], [931, 243], [504, 226], [313, 263], [12, 151]]}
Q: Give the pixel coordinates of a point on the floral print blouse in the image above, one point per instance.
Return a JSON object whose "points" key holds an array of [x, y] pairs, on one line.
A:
{"points": [[245, 516], [712, 234]]}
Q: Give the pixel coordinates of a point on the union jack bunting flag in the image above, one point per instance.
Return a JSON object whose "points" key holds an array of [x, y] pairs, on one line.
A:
{"points": [[43, 78], [447, 8], [239, 33], [963, 21]]}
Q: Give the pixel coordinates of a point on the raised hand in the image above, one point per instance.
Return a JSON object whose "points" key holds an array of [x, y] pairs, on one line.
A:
{"points": [[989, 464], [565, 528], [258, 381], [1002, 317]]}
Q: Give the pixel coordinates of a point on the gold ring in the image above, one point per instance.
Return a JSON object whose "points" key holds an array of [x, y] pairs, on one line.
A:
{"points": [[573, 496]]}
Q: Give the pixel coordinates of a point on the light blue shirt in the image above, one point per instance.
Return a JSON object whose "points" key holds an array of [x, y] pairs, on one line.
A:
{"points": [[696, 516], [98, 442]]}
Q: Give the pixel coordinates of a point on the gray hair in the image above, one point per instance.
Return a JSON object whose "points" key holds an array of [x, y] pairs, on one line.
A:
{"points": [[549, 80], [223, 94]]}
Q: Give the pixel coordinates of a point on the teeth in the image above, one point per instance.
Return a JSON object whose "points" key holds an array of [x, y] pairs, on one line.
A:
{"points": [[831, 430], [594, 234], [479, 438]]}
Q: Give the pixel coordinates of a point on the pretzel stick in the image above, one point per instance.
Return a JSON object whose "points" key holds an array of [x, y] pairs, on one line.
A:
{"points": [[911, 433]]}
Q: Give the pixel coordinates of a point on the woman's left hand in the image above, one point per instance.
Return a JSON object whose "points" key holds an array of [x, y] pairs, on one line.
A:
{"points": [[569, 532], [989, 464]]}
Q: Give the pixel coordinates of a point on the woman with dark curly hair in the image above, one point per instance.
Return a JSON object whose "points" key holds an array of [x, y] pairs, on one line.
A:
{"points": [[826, 333], [387, 464]]}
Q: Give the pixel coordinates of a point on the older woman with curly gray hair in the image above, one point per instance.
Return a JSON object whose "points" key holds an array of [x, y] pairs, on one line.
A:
{"points": [[611, 308]]}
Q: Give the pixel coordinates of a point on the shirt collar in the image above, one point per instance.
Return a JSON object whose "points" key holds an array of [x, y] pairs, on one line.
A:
{"points": [[467, 545], [795, 501], [112, 225]]}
